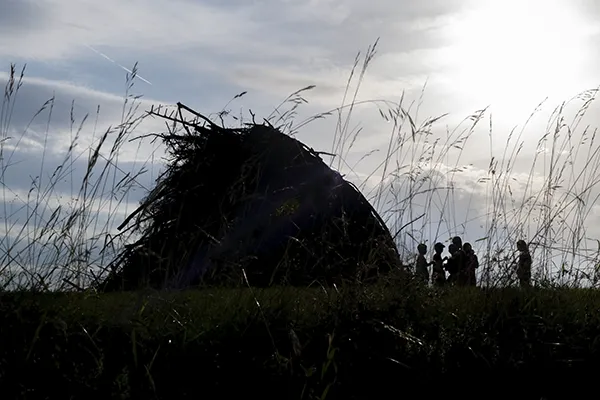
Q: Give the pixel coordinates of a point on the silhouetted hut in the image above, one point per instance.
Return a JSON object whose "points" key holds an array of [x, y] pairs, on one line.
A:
{"points": [[250, 205]]}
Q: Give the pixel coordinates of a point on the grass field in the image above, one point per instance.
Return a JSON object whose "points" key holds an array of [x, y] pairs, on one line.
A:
{"points": [[375, 342]]}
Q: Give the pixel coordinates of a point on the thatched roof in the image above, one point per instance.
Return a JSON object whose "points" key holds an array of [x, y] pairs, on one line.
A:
{"points": [[252, 205]]}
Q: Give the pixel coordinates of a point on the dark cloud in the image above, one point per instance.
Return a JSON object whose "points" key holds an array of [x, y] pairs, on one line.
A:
{"points": [[21, 15]]}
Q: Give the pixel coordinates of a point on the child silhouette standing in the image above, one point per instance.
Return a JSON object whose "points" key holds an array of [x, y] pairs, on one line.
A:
{"points": [[438, 276], [471, 264], [524, 264], [421, 270]]}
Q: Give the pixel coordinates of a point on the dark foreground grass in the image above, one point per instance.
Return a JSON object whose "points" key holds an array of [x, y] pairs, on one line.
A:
{"points": [[374, 342]]}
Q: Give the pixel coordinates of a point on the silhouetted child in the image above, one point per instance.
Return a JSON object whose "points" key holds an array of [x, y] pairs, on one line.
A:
{"points": [[438, 275], [421, 270], [524, 264], [471, 264], [457, 241], [452, 265], [459, 261]]}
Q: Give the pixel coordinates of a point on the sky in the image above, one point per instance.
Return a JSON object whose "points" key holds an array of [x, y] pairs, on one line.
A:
{"points": [[451, 57]]}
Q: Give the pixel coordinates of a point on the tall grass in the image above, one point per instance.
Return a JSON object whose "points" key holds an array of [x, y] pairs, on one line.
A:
{"points": [[415, 185], [63, 245]]}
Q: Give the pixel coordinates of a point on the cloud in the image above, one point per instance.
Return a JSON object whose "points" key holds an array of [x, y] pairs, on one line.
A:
{"points": [[36, 92], [62, 28], [49, 115], [18, 16], [267, 34]]}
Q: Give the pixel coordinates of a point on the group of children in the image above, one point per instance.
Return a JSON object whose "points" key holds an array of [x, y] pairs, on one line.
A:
{"points": [[462, 264]]}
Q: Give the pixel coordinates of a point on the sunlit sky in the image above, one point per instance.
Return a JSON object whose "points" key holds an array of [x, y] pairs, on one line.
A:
{"points": [[506, 54], [512, 53]]}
